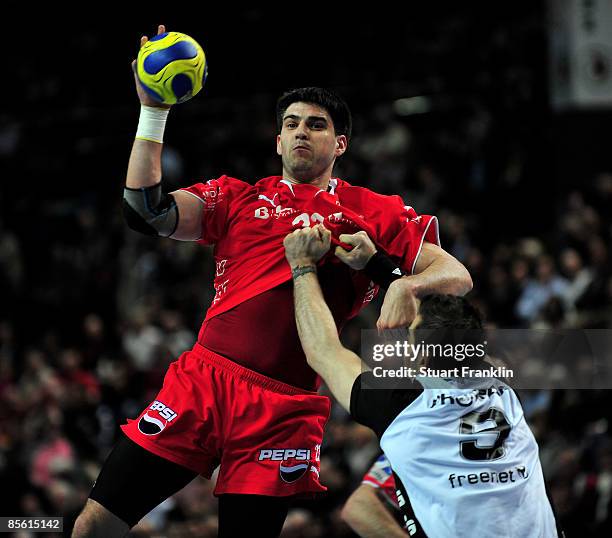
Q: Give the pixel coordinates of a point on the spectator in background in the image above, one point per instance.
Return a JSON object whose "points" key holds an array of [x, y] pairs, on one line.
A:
{"points": [[552, 315], [428, 189], [595, 296], [501, 296], [602, 196], [579, 222], [539, 290], [142, 339], [457, 239], [385, 147], [12, 273], [54, 454], [579, 277], [520, 273], [177, 337], [94, 340]]}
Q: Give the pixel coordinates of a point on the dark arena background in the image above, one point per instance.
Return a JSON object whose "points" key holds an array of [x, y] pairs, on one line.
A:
{"points": [[496, 117]]}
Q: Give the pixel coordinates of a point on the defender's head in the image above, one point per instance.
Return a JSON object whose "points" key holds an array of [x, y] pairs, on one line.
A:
{"points": [[438, 311], [449, 319]]}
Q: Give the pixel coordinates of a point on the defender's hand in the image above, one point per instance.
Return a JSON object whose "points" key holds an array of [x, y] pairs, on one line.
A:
{"points": [[144, 98], [399, 307], [306, 246], [359, 256]]}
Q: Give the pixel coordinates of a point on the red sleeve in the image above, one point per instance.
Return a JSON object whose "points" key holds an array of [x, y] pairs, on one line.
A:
{"points": [[403, 231], [380, 476], [218, 197]]}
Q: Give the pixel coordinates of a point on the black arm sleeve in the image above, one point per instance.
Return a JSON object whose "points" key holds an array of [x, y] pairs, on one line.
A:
{"points": [[376, 402], [383, 270]]}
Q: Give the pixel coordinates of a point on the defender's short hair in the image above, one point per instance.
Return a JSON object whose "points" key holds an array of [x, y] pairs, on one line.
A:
{"points": [[439, 311], [449, 319]]}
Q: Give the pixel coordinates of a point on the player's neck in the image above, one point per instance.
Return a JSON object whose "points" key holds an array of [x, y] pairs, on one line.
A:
{"points": [[321, 181]]}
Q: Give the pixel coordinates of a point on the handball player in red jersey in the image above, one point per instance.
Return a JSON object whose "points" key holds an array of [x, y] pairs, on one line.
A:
{"points": [[244, 398]]}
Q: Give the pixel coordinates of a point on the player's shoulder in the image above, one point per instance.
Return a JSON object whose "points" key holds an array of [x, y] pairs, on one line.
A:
{"points": [[364, 194], [221, 191], [220, 181], [230, 181], [222, 185]]}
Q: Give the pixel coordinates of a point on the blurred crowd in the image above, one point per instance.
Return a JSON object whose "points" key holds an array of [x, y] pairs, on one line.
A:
{"points": [[87, 343], [92, 313]]}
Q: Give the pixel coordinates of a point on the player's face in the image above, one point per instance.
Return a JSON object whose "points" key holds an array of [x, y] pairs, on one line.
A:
{"points": [[308, 143]]}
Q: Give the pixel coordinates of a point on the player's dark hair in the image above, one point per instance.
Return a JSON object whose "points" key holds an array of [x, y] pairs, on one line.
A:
{"points": [[449, 319], [337, 109], [439, 311]]}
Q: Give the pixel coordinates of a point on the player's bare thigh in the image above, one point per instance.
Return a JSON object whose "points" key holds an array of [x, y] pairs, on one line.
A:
{"points": [[95, 521]]}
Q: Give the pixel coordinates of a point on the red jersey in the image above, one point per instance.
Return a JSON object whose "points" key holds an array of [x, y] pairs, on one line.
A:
{"points": [[247, 224]]}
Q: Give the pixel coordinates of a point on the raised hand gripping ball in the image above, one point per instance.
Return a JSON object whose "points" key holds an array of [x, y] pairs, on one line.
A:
{"points": [[171, 67]]}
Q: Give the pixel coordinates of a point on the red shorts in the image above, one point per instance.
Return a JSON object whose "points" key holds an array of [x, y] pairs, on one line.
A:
{"points": [[265, 435]]}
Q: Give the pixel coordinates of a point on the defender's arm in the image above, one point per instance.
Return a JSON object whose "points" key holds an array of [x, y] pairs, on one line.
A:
{"points": [[366, 514], [317, 330]]}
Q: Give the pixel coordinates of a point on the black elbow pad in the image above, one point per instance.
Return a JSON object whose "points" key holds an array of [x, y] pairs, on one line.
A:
{"points": [[150, 211], [136, 222]]}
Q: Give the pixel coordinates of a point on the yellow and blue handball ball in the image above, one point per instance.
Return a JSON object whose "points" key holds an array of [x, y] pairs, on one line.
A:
{"points": [[171, 67]]}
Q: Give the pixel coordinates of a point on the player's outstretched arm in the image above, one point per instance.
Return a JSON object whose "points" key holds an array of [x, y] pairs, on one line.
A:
{"points": [[147, 209], [366, 514], [325, 354]]}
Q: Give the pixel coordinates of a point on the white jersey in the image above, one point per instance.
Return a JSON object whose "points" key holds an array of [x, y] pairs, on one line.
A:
{"points": [[466, 459]]}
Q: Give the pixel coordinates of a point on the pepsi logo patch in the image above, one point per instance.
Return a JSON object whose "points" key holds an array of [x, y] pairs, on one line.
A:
{"points": [[156, 418], [292, 470], [150, 425]]}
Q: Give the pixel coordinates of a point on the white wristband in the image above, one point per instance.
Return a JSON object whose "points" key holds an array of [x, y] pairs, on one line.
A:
{"points": [[152, 124]]}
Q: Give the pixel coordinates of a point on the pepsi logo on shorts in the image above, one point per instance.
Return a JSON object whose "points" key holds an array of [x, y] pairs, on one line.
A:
{"points": [[292, 470], [293, 462], [156, 418]]}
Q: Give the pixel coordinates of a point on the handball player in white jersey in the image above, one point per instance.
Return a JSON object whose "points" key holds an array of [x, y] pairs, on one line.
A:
{"points": [[464, 459]]}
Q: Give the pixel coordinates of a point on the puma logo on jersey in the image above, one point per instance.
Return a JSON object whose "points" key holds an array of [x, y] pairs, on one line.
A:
{"points": [[264, 197]]}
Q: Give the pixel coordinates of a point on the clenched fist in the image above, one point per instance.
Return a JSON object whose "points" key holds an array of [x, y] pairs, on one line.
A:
{"points": [[363, 249], [400, 305], [307, 246]]}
